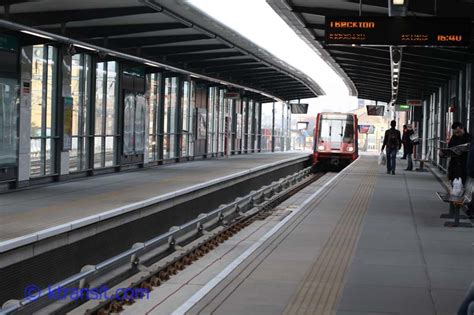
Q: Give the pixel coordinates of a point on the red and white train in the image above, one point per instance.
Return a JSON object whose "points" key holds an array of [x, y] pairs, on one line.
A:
{"points": [[335, 140]]}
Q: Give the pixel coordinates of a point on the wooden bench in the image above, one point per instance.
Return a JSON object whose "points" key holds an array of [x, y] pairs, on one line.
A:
{"points": [[456, 203]]}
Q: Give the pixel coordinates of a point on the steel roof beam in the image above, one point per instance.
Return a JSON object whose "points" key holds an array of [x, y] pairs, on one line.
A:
{"points": [[387, 83], [172, 50], [409, 60], [113, 30], [221, 62], [239, 68], [424, 69], [129, 42], [374, 74], [330, 11], [193, 57], [64, 16], [413, 72]]}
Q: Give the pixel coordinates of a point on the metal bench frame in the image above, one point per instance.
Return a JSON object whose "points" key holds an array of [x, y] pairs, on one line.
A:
{"points": [[455, 205], [423, 161]]}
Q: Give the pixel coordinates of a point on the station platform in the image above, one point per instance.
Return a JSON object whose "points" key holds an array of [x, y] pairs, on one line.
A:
{"points": [[42, 212], [359, 242]]}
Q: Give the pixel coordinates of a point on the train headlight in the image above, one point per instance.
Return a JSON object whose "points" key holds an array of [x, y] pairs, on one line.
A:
{"points": [[350, 149], [321, 148]]}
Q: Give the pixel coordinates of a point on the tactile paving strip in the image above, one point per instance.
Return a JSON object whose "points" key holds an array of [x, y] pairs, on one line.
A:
{"points": [[322, 288]]}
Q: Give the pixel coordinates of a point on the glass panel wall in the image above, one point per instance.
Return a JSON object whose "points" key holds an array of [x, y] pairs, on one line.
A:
{"points": [[153, 91], [170, 110], [9, 101], [267, 126], [238, 125], [192, 117], [228, 129], [186, 119], [244, 125], [257, 129], [80, 80], [43, 110], [286, 123], [105, 115], [221, 122], [250, 126], [279, 142], [212, 119]]}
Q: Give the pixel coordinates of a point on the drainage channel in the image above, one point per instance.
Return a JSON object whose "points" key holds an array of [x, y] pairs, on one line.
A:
{"points": [[205, 233]]}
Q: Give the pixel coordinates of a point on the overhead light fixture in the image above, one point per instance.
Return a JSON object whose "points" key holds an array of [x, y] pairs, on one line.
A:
{"points": [[36, 34], [398, 2], [85, 47], [396, 70], [150, 64], [395, 75]]}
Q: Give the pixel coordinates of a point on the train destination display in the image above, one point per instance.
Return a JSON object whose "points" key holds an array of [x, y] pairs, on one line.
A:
{"points": [[398, 31]]}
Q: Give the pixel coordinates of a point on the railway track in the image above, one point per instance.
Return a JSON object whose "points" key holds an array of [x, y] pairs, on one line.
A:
{"points": [[184, 245], [179, 263]]}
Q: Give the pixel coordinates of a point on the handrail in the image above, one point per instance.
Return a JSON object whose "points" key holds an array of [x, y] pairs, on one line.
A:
{"points": [[137, 248]]}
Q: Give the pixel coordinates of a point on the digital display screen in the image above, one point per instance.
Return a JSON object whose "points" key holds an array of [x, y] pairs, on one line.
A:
{"points": [[398, 31], [375, 110], [299, 108]]}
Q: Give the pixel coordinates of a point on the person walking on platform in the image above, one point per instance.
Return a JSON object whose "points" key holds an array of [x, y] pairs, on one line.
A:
{"points": [[393, 141], [457, 167], [404, 142], [408, 146]]}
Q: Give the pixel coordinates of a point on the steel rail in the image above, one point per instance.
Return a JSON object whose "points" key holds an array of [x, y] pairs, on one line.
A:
{"points": [[239, 205]]}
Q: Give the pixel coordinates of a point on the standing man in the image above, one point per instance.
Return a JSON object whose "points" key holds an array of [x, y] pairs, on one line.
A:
{"points": [[393, 141], [404, 142]]}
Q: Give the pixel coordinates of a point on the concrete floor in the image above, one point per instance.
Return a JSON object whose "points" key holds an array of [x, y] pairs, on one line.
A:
{"points": [[371, 243], [28, 211]]}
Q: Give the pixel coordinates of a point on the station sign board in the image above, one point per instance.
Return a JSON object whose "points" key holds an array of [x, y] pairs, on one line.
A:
{"points": [[299, 108], [375, 110], [397, 31], [414, 102], [402, 108]]}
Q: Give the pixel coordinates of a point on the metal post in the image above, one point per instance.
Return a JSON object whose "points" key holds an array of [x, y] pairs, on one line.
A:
{"points": [[424, 126], [273, 127]]}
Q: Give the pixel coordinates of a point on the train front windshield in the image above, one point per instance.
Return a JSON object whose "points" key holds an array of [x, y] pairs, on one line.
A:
{"points": [[336, 129]]}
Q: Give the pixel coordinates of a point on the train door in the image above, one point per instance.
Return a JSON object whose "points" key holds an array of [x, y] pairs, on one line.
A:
{"points": [[9, 107]]}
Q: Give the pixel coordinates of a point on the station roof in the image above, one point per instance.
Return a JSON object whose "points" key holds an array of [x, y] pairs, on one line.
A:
{"points": [[423, 70], [169, 32]]}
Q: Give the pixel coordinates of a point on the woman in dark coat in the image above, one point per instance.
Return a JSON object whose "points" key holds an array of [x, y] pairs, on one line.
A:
{"points": [[408, 147]]}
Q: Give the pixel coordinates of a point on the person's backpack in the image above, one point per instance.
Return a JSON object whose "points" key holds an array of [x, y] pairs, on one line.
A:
{"points": [[393, 139]]}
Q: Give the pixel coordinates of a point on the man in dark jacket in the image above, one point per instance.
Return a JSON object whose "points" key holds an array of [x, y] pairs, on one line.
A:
{"points": [[458, 164], [408, 146], [393, 141]]}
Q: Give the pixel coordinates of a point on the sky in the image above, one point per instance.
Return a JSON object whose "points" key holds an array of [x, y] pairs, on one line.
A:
{"points": [[256, 20]]}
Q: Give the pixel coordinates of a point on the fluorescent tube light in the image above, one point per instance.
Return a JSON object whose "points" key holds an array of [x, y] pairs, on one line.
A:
{"points": [[36, 34], [85, 47]]}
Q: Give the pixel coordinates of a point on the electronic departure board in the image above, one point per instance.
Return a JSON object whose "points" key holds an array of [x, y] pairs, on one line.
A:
{"points": [[398, 31]]}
